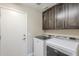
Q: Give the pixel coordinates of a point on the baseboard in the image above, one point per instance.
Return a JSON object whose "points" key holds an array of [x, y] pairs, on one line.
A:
{"points": [[30, 54]]}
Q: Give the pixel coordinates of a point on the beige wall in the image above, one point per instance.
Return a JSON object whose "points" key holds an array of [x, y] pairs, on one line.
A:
{"points": [[34, 26], [65, 32]]}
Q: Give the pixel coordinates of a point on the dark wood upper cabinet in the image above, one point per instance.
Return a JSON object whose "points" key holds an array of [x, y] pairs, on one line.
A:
{"points": [[52, 18], [59, 16], [49, 19], [62, 16], [72, 17], [46, 20]]}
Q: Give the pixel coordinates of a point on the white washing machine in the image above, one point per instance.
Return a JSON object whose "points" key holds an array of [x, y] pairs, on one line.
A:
{"points": [[62, 47]]}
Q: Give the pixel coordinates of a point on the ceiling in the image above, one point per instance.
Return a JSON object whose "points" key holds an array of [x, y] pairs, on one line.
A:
{"points": [[40, 6]]}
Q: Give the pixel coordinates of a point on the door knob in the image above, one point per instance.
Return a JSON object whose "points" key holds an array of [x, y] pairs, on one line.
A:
{"points": [[24, 38], [24, 35]]}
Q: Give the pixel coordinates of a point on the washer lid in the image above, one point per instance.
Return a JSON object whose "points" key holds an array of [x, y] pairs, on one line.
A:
{"points": [[67, 45]]}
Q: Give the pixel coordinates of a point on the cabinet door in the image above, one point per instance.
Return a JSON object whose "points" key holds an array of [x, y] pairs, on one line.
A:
{"points": [[77, 17], [59, 16], [72, 16], [66, 15], [52, 18], [46, 20], [38, 47]]}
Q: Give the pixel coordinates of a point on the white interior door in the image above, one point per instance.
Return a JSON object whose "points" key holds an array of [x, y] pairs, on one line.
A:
{"points": [[13, 33]]}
